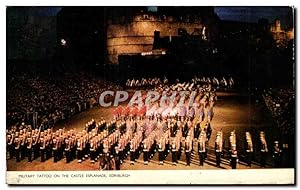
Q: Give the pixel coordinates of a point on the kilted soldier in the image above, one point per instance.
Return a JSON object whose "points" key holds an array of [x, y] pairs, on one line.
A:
{"points": [[121, 148], [132, 152], [93, 148], [174, 150], [152, 145], [117, 158], [167, 144], [161, 150], [110, 145], [263, 149], [146, 148], [233, 157], [277, 155], [61, 146], [10, 145], [84, 148], [249, 149], [23, 148], [79, 149], [48, 147], [203, 133], [100, 145], [17, 148], [43, 141], [73, 147], [188, 149], [68, 150], [29, 147], [55, 150], [106, 147], [201, 148], [218, 148], [35, 147]]}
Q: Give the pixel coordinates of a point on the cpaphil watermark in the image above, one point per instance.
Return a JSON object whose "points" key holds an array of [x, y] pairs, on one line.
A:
{"points": [[165, 98]]}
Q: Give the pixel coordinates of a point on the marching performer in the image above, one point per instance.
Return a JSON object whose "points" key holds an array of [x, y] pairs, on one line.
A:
{"points": [[188, 150], [249, 149], [93, 148], [277, 155], [43, 141], [23, 149], [146, 148], [263, 150], [10, 145], [68, 150], [35, 147], [233, 157], [219, 148], [55, 149], [201, 147], [174, 149], [161, 150], [132, 152], [79, 149], [29, 147], [17, 148]]}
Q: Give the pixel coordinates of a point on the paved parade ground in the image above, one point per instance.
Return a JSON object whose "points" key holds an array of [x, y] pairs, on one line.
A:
{"points": [[233, 110]]}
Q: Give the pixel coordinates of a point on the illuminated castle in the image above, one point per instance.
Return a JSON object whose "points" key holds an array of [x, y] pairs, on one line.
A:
{"points": [[131, 31], [281, 36]]}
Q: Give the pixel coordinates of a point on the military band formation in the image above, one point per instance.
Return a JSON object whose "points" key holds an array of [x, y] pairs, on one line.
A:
{"points": [[135, 131]]}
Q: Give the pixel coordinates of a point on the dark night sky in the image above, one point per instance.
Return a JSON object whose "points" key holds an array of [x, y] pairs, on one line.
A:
{"points": [[253, 14], [43, 11], [244, 14]]}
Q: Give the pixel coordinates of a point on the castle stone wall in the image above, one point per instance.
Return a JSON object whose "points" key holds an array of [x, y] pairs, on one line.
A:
{"points": [[138, 35]]}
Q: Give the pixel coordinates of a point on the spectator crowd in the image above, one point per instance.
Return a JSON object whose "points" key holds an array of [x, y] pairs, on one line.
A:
{"points": [[43, 101]]}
